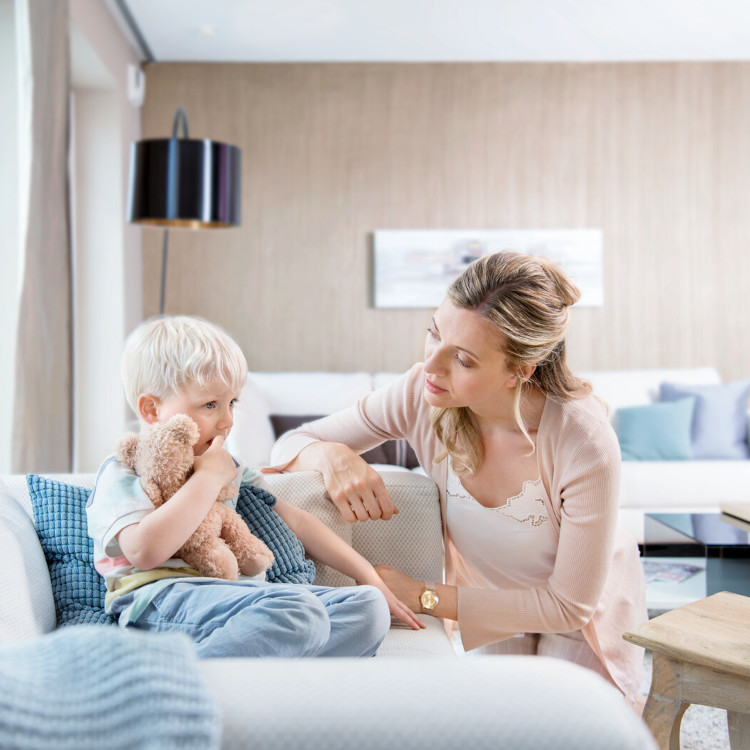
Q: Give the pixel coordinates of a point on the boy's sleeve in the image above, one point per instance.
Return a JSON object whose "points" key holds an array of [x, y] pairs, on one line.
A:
{"points": [[117, 501]]}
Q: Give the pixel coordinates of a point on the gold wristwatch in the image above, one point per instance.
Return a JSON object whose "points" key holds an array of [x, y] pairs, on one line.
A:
{"points": [[429, 598]]}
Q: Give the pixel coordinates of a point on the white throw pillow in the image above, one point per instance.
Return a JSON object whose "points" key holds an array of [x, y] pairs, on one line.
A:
{"points": [[310, 393], [251, 438]]}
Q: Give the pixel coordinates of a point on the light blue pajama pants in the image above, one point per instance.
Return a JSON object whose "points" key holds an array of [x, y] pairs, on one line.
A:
{"points": [[255, 618]]}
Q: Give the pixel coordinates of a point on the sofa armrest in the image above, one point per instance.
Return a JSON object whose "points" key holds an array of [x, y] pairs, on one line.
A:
{"points": [[411, 541], [482, 702], [27, 609]]}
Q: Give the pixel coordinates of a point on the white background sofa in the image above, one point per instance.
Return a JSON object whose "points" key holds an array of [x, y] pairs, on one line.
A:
{"points": [[647, 486], [416, 693], [693, 486]]}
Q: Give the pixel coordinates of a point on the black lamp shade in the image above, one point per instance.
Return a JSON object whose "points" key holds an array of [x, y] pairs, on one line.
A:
{"points": [[182, 182]]}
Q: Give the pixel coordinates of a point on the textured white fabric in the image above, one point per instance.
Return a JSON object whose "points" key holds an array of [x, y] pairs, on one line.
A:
{"points": [[412, 540], [482, 703], [305, 490], [27, 609], [433, 641]]}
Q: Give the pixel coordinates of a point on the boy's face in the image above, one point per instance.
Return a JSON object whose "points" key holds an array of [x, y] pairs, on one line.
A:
{"points": [[210, 407]]}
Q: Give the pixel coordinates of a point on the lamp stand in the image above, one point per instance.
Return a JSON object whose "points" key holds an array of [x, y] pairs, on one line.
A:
{"points": [[162, 296]]}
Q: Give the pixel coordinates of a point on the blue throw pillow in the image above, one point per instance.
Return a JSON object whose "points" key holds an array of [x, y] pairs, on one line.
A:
{"points": [[60, 520], [290, 565], [657, 432], [719, 428]]}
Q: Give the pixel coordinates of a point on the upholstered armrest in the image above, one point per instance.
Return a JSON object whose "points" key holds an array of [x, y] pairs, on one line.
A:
{"points": [[26, 606], [482, 702], [411, 541]]}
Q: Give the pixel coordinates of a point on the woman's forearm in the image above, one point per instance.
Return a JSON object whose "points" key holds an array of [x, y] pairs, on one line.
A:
{"points": [[409, 590], [319, 456]]}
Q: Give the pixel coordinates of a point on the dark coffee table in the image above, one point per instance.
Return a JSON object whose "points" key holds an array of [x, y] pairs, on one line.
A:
{"points": [[707, 540]]}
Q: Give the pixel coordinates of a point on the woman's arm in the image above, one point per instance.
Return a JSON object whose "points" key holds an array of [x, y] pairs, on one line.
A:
{"points": [[324, 545], [331, 445], [409, 590], [156, 538], [355, 488]]}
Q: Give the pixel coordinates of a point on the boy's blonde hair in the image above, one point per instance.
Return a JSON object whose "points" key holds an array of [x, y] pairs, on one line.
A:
{"points": [[166, 354]]}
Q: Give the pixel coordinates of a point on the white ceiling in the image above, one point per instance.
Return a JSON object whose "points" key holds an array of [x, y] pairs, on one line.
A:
{"points": [[438, 30]]}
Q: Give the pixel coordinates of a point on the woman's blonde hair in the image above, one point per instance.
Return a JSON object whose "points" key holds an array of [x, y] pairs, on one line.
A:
{"points": [[165, 354], [526, 299]]}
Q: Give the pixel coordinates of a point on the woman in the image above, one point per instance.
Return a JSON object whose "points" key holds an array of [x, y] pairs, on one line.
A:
{"points": [[527, 466]]}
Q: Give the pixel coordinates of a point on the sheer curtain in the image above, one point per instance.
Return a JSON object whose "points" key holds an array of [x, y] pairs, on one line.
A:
{"points": [[42, 403]]}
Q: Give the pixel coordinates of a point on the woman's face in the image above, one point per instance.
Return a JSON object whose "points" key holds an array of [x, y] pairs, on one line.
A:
{"points": [[465, 364]]}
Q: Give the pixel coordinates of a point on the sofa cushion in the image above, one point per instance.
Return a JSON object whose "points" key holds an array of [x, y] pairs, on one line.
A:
{"points": [[719, 426], [251, 438], [394, 452], [655, 432], [305, 489], [266, 393], [60, 518], [255, 505]]}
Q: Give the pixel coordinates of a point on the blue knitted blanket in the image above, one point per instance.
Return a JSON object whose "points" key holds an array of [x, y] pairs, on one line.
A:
{"points": [[93, 687]]}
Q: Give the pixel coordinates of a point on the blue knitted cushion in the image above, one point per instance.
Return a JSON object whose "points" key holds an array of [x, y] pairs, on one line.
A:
{"points": [[60, 520], [95, 687], [290, 565]]}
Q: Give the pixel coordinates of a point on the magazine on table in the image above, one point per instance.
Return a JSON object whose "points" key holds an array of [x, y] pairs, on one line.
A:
{"points": [[668, 572]]}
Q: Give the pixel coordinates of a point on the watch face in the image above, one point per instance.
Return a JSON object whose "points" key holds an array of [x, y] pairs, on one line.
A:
{"points": [[429, 599]]}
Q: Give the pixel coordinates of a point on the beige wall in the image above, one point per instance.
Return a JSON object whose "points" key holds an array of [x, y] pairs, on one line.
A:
{"points": [[656, 155]]}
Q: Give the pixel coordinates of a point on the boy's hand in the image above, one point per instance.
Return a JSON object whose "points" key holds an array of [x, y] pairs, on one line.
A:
{"points": [[217, 461]]}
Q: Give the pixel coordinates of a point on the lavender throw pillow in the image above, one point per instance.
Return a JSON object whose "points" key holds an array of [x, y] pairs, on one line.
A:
{"points": [[719, 428]]}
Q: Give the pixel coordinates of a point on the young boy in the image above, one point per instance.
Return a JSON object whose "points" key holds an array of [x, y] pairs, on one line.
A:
{"points": [[183, 365]]}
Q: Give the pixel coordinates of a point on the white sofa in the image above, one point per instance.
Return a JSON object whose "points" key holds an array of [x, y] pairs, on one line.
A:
{"points": [[647, 486], [695, 486], [417, 692]]}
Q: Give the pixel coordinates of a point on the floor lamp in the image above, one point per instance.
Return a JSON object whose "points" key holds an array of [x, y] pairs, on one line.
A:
{"points": [[179, 182]]}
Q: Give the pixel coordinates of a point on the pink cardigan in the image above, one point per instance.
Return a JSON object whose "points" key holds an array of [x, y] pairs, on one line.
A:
{"points": [[597, 583]]}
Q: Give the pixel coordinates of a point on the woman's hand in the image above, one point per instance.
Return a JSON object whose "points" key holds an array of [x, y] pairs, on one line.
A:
{"points": [[406, 589], [409, 590], [397, 608], [356, 489]]}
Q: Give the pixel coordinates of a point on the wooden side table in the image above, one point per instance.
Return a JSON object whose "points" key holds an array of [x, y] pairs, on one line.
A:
{"points": [[701, 654]]}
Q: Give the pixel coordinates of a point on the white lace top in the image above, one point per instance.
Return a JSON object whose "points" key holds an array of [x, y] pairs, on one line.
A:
{"points": [[508, 546]]}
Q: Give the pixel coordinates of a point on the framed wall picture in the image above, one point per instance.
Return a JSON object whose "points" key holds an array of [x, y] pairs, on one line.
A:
{"points": [[413, 268]]}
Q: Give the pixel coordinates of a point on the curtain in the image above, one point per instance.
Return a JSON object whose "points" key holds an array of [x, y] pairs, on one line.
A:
{"points": [[42, 402]]}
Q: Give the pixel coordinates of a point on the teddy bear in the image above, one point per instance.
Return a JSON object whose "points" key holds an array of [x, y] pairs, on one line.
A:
{"points": [[162, 456]]}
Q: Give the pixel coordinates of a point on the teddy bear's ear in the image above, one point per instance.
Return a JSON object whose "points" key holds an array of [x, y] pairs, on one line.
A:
{"points": [[183, 429], [126, 448]]}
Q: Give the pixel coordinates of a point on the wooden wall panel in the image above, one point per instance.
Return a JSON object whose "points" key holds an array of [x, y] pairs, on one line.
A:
{"points": [[657, 155]]}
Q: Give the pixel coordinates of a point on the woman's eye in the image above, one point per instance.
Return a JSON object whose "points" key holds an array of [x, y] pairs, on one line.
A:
{"points": [[461, 362], [432, 333]]}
